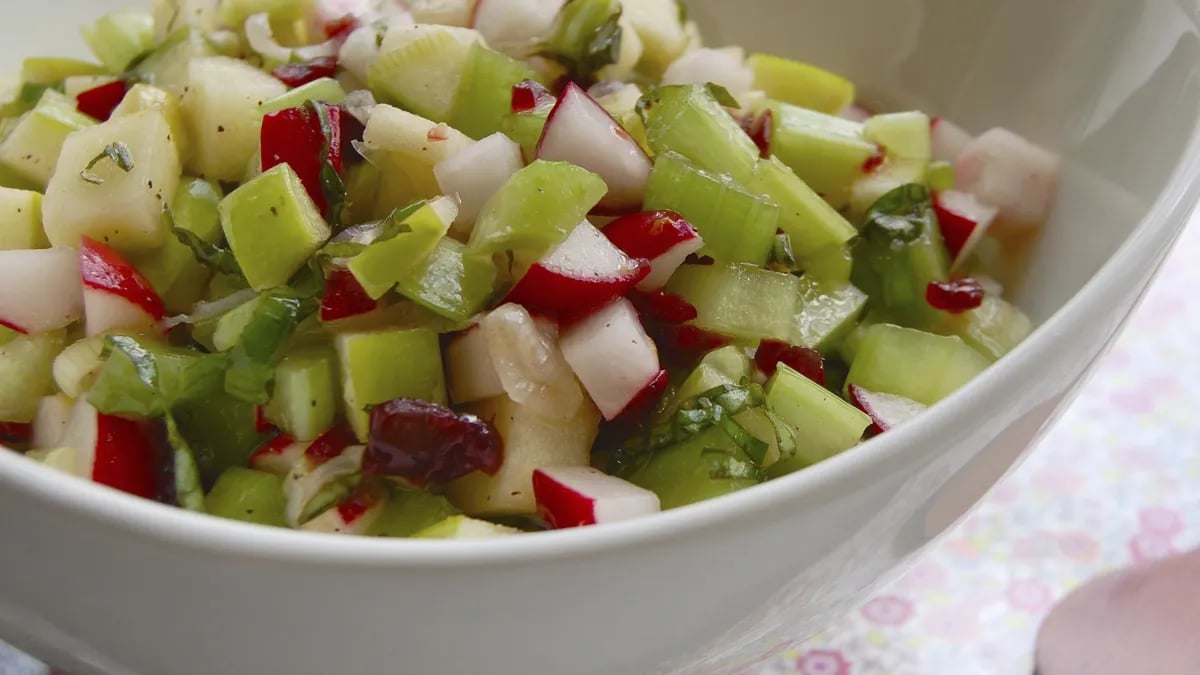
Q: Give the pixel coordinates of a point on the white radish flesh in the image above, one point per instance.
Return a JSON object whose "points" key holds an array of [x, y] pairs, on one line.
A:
{"points": [[40, 290], [612, 356], [1017, 177], [475, 173], [577, 496]]}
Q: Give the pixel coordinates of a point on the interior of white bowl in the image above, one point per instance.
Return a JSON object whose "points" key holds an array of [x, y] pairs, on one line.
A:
{"points": [[1111, 85]]}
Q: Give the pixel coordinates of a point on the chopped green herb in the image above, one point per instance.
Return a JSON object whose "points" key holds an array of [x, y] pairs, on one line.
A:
{"points": [[117, 152]]}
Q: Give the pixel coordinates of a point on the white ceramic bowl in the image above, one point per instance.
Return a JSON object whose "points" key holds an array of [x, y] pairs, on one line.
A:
{"points": [[99, 582]]}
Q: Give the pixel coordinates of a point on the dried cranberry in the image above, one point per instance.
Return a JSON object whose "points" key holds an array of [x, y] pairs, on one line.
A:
{"points": [[427, 443], [955, 296], [875, 160], [330, 444], [16, 432], [299, 74], [340, 29], [344, 297], [759, 131], [663, 306], [807, 362], [99, 102], [696, 259]]}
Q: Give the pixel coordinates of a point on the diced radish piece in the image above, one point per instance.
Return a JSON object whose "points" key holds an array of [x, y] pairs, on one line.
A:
{"points": [[515, 27], [526, 357], [612, 356], [725, 67], [664, 238], [1017, 177], [40, 290], [855, 113], [887, 411], [964, 221], [580, 131], [99, 102], [115, 294], [296, 137], [359, 51], [583, 273], [473, 174], [278, 455], [470, 374], [50, 421], [299, 74], [353, 515], [574, 496], [112, 451], [949, 139], [16, 432], [310, 475], [530, 95], [344, 297]]}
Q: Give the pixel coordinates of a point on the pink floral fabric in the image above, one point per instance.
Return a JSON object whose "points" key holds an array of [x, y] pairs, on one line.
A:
{"points": [[1115, 482]]}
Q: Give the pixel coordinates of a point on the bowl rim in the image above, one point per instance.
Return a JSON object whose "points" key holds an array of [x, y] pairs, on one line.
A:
{"points": [[1142, 251]]}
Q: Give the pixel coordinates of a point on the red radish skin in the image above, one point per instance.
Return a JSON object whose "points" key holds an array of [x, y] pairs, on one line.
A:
{"points": [[664, 238], [125, 457], [340, 29], [16, 432], [344, 297], [580, 131], [105, 270], [580, 496], [876, 160], [645, 399], [612, 356], [299, 74], [294, 137], [330, 444], [262, 424], [963, 221], [362, 500], [99, 102], [582, 274], [886, 411], [277, 455], [529, 95], [955, 296]]}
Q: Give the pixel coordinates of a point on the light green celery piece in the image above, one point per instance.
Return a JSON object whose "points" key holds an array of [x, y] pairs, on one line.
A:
{"points": [[894, 173], [221, 431], [235, 12], [994, 328], [167, 66], [463, 527], [484, 96], [826, 152], [737, 226], [30, 150], [386, 263], [834, 264], [272, 227], [914, 364], [178, 278], [526, 129], [249, 496], [688, 121], [808, 220], [119, 38], [580, 23], [801, 84], [705, 466], [903, 135], [941, 176], [407, 512], [740, 301], [377, 367], [824, 424], [307, 397], [536, 209], [49, 70], [826, 313], [21, 220], [324, 89], [25, 368], [452, 283], [419, 67]]}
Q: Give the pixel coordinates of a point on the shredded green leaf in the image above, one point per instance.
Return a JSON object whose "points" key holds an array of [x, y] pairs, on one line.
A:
{"points": [[588, 37], [721, 95], [213, 256], [901, 215], [332, 185], [188, 491], [117, 152], [253, 359]]}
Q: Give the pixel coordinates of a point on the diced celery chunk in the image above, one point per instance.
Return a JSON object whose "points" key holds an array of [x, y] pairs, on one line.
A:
{"points": [[826, 152], [25, 369], [31, 149], [484, 94], [222, 432], [736, 225], [801, 84], [994, 328], [903, 135], [172, 269], [705, 466], [833, 263], [249, 496], [536, 209], [49, 71], [119, 38], [808, 220], [941, 176], [272, 227], [378, 367], [894, 173], [826, 313], [420, 67], [688, 121], [306, 399], [235, 12], [914, 364], [741, 301], [407, 512], [21, 220], [578, 24], [386, 263], [526, 129], [324, 89], [452, 283], [824, 424], [463, 527]]}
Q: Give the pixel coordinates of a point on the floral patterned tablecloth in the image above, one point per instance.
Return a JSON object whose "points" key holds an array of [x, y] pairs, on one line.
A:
{"points": [[1117, 480]]}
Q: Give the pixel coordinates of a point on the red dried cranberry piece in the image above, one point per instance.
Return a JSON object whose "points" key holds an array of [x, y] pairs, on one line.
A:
{"points": [[299, 74], [16, 432], [663, 306], [427, 443], [808, 362], [955, 296]]}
